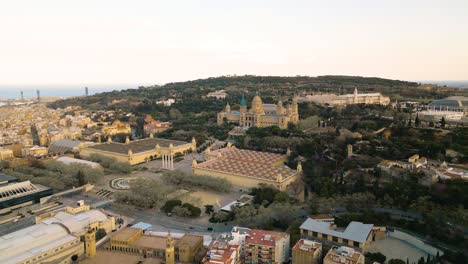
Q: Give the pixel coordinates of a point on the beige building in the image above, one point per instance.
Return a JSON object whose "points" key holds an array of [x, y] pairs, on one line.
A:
{"points": [[260, 114], [152, 126], [142, 150], [6, 154], [247, 168], [133, 241], [347, 99], [53, 240], [262, 246], [34, 151], [117, 127], [306, 252], [343, 255]]}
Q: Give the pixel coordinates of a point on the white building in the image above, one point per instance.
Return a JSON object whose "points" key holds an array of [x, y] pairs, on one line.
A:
{"points": [[347, 99]]}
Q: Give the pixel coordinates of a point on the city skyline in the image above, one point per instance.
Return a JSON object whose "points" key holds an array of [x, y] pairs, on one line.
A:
{"points": [[151, 42]]}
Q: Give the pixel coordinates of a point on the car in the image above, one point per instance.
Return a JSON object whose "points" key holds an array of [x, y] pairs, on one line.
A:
{"points": [[191, 227], [209, 229]]}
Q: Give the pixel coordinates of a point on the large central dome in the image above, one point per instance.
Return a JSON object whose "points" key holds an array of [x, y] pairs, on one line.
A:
{"points": [[257, 105]]}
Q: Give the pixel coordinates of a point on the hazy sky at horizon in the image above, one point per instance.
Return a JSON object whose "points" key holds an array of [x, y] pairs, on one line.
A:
{"points": [[53, 42]]}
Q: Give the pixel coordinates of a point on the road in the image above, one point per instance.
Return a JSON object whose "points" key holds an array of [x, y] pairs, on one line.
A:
{"points": [[159, 219]]}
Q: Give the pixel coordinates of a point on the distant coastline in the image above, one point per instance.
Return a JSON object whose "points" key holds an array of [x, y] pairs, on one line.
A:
{"points": [[29, 91], [14, 91], [457, 84]]}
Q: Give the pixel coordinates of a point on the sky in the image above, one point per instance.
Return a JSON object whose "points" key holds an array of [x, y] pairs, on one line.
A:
{"points": [[141, 42]]}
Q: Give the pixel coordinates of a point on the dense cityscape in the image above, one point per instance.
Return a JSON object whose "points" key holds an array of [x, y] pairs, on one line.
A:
{"points": [[224, 170]]}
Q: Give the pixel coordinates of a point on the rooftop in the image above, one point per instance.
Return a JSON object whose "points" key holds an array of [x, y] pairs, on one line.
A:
{"points": [[68, 160], [355, 231], [249, 163], [264, 237], [126, 233], [154, 242], [137, 146], [28, 242], [343, 255], [19, 189], [4, 179], [77, 223], [104, 256], [307, 246]]}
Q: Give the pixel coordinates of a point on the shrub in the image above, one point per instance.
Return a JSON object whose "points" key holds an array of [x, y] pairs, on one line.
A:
{"points": [[170, 204]]}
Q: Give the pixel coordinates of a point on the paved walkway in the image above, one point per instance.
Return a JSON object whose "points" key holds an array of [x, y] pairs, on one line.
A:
{"points": [[395, 248]]}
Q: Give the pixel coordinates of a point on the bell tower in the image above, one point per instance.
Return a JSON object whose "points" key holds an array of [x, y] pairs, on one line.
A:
{"points": [[170, 254], [90, 243]]}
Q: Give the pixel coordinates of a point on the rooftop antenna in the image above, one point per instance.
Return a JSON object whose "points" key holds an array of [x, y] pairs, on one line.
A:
{"points": [[38, 95], [22, 96], [86, 91]]}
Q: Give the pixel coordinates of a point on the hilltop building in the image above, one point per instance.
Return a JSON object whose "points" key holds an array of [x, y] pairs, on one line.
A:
{"points": [[152, 126], [142, 150], [260, 114], [343, 255], [220, 94], [306, 252], [451, 108], [347, 99], [247, 168]]}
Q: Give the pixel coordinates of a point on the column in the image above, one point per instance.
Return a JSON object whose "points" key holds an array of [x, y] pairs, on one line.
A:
{"points": [[172, 161], [162, 160]]}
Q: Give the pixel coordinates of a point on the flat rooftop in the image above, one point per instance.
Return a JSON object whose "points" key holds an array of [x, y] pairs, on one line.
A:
{"points": [[104, 256], [307, 246], [126, 233], [264, 237], [137, 146], [4, 179]]}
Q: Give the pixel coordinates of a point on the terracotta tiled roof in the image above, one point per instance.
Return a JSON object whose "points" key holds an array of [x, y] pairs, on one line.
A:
{"points": [[248, 163]]}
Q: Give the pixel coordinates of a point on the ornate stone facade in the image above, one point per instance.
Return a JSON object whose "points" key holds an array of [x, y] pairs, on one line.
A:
{"points": [[260, 114]]}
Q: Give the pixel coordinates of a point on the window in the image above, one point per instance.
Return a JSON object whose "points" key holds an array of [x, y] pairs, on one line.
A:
{"points": [[335, 239], [314, 234], [345, 241], [356, 244]]}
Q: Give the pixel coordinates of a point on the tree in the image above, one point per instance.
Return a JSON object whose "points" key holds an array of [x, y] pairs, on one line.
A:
{"points": [[170, 204], [209, 209], [442, 122], [375, 257], [396, 261], [81, 178], [175, 114], [181, 211], [417, 122], [281, 197], [431, 124], [100, 234], [194, 211]]}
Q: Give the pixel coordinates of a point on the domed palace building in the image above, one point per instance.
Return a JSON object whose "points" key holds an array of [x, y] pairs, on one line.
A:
{"points": [[260, 114]]}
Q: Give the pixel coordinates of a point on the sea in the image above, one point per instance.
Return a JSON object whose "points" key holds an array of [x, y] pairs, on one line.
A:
{"points": [[29, 91]]}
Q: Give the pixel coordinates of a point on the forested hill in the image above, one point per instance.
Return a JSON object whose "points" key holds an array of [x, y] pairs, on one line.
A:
{"points": [[271, 88]]}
